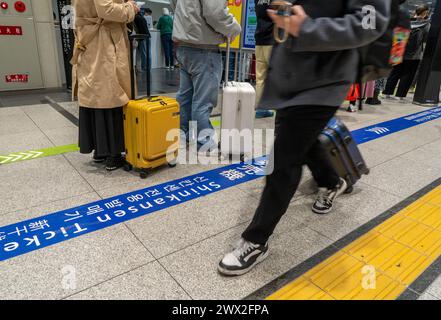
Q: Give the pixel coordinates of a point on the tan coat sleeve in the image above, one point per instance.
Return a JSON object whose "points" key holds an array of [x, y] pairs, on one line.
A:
{"points": [[111, 11]]}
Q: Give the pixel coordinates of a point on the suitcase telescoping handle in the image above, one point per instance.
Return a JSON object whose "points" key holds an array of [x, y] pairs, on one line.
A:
{"points": [[227, 62], [139, 38]]}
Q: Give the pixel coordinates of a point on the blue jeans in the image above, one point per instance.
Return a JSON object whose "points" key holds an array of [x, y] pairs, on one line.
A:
{"points": [[143, 53], [144, 47], [201, 73], [167, 45]]}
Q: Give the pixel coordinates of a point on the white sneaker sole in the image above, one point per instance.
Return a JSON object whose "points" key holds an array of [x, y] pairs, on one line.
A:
{"points": [[342, 190], [233, 273]]}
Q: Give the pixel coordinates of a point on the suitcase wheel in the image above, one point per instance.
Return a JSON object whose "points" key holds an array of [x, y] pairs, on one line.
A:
{"points": [[349, 190], [143, 174], [128, 167]]}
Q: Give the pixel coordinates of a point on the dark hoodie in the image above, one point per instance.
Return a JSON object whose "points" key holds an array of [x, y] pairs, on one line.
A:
{"points": [[317, 68], [264, 31]]}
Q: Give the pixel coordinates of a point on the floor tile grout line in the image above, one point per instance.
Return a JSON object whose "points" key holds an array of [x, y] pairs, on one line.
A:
{"points": [[419, 147], [68, 161], [84, 178], [36, 125], [151, 253], [50, 140], [61, 111], [174, 279], [402, 154], [435, 297], [107, 280]]}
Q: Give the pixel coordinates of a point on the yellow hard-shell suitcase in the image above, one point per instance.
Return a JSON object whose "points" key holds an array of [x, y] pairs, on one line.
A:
{"points": [[147, 124]]}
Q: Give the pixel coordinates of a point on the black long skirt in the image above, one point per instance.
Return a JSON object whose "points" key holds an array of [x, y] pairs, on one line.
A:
{"points": [[101, 130]]}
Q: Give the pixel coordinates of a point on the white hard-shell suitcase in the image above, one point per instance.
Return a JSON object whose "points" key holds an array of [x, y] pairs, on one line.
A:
{"points": [[238, 112]]}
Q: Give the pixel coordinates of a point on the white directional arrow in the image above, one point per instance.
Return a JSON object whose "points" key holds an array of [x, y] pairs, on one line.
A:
{"points": [[15, 157], [37, 154], [6, 159], [26, 155]]}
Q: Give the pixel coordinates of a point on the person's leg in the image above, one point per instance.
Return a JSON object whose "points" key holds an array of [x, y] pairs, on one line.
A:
{"points": [[143, 53], [330, 184], [262, 64], [206, 76], [297, 131], [263, 54], [392, 81], [410, 68], [185, 93], [165, 49], [87, 132], [321, 168], [115, 138], [170, 50]]}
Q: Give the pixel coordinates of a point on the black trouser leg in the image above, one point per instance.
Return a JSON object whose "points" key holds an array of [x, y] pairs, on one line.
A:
{"points": [[297, 132], [393, 79], [410, 68], [321, 168]]}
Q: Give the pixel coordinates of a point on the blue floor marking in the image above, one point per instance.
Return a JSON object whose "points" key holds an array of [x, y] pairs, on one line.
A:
{"points": [[34, 234], [386, 128]]}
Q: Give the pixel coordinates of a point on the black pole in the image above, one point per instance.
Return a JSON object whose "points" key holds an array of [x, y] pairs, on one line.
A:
{"points": [[67, 37], [429, 78]]}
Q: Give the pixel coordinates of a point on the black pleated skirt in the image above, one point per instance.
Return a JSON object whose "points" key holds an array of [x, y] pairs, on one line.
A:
{"points": [[101, 130]]}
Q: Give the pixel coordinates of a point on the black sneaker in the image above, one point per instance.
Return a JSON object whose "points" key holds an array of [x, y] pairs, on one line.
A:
{"points": [[98, 159], [326, 197], [114, 163], [243, 258]]}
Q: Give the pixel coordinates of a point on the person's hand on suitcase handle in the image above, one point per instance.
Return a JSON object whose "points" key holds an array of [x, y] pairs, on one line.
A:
{"points": [[296, 20]]}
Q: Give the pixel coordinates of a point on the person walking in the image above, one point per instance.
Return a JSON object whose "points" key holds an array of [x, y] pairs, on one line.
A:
{"points": [[101, 76], [404, 74], [264, 45], [309, 77], [199, 28], [165, 26]]}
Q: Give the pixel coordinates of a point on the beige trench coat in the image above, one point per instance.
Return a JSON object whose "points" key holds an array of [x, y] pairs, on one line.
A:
{"points": [[101, 65]]}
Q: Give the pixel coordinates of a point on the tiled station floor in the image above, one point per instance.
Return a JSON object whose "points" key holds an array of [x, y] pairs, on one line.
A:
{"points": [[172, 254]]}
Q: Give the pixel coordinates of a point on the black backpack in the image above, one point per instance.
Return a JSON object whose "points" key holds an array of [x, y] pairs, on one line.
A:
{"points": [[416, 40], [375, 57]]}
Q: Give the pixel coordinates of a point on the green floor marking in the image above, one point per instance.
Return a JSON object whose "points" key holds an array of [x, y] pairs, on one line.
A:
{"points": [[216, 123], [35, 154]]}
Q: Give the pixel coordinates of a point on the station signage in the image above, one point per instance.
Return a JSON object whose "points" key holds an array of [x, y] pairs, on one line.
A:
{"points": [[11, 31], [14, 78]]}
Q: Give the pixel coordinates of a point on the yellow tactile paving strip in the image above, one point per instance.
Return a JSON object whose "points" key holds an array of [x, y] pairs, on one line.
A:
{"points": [[380, 264]]}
